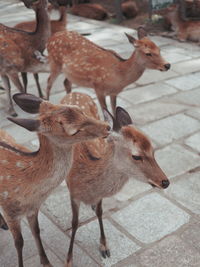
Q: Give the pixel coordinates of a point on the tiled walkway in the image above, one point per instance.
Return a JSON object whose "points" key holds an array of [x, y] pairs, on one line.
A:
{"points": [[145, 227]]}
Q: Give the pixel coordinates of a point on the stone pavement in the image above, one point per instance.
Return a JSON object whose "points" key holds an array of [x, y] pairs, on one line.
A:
{"points": [[145, 227]]}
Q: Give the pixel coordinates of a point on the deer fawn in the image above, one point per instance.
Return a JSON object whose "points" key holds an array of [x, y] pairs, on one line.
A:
{"points": [[27, 178], [183, 30], [107, 164], [19, 49], [86, 64], [56, 26]]}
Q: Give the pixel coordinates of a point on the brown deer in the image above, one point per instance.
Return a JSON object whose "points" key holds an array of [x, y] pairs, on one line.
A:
{"points": [[27, 178], [87, 64], [56, 26], [19, 49], [102, 166], [183, 30]]}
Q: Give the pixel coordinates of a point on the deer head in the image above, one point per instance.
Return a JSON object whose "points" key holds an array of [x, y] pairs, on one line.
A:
{"points": [[62, 124], [147, 51], [134, 153]]}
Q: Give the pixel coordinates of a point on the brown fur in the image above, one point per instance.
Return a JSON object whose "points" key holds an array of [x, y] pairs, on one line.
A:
{"points": [[87, 64], [23, 46], [184, 30], [129, 9], [27, 179], [101, 167], [91, 11]]}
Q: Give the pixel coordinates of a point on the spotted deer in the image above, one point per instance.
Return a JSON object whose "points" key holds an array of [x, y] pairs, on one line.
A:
{"points": [[20, 51], [27, 178], [101, 167], [87, 64], [183, 30], [56, 26]]}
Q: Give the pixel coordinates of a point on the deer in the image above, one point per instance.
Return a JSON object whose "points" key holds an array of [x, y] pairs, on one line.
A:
{"points": [[55, 25], [98, 170], [89, 65], [27, 177], [21, 51], [183, 30]]}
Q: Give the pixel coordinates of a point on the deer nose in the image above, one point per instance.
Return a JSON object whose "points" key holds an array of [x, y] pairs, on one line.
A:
{"points": [[108, 128], [167, 66], [165, 183]]}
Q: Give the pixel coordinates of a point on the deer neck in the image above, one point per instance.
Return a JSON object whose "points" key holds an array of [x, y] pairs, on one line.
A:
{"points": [[63, 15], [132, 69], [43, 28], [52, 161]]}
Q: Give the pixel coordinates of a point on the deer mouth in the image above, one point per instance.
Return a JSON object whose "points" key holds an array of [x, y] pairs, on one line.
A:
{"points": [[154, 184]]}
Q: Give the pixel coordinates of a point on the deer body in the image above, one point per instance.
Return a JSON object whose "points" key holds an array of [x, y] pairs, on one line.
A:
{"points": [[87, 64], [25, 47], [27, 178], [184, 30], [101, 167], [55, 26]]}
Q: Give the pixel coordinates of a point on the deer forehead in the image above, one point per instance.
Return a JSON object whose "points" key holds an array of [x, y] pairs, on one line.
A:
{"points": [[140, 142], [147, 44]]}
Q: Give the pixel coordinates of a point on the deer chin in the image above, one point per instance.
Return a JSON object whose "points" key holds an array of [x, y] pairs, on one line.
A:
{"points": [[153, 184]]}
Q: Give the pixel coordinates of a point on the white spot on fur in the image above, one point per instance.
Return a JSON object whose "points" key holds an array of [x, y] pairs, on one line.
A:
{"points": [[4, 194], [19, 164], [4, 161]]}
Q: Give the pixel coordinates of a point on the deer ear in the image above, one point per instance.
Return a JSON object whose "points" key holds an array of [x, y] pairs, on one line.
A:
{"points": [[29, 124], [28, 102], [141, 32], [108, 118], [122, 117], [130, 38]]}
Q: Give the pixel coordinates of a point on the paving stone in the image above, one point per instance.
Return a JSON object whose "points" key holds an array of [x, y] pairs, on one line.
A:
{"points": [[194, 112], [189, 98], [132, 188], [186, 191], [194, 141], [151, 76], [176, 160], [62, 215], [58, 242], [151, 217], [88, 238], [186, 82], [170, 252], [174, 57], [171, 128], [148, 112], [35, 261], [147, 93], [191, 234], [7, 247], [188, 66]]}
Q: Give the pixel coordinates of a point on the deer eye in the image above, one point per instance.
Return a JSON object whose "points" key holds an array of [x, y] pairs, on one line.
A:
{"points": [[149, 54], [137, 157]]}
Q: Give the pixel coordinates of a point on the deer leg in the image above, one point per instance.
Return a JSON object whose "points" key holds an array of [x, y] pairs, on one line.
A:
{"points": [[55, 71], [113, 100], [3, 224], [15, 79], [34, 225], [102, 101], [68, 86], [105, 252], [6, 83], [25, 80], [75, 213], [15, 229], [36, 77]]}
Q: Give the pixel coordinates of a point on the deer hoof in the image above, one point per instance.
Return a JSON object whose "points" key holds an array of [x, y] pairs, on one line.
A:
{"points": [[105, 252], [4, 226]]}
